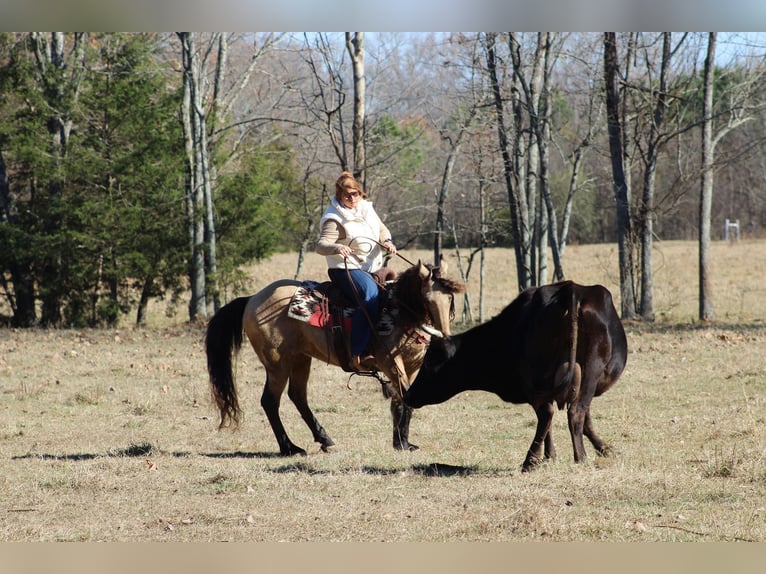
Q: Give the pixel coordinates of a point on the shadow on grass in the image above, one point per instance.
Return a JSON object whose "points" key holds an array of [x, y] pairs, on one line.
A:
{"points": [[241, 454], [434, 469], [133, 450], [439, 469]]}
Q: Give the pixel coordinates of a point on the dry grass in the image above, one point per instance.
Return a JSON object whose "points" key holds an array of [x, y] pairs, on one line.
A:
{"points": [[110, 435]]}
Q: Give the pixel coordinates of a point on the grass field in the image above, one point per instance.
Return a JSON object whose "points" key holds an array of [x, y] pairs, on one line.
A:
{"points": [[109, 435]]}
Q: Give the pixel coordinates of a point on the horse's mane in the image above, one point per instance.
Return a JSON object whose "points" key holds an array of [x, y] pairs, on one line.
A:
{"points": [[450, 285], [408, 292]]}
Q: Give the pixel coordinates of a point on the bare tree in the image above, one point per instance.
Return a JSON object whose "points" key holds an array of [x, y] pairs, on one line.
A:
{"points": [[655, 140], [198, 171], [706, 184], [741, 104], [516, 200], [620, 183], [449, 165], [587, 103], [329, 93], [355, 47], [203, 113]]}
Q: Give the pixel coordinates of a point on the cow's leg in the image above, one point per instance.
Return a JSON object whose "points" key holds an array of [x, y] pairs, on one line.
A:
{"points": [[602, 449], [576, 418], [276, 380], [550, 448], [299, 377], [534, 455]]}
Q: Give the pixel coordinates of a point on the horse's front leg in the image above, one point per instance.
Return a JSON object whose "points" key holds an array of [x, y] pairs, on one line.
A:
{"points": [[401, 414]]}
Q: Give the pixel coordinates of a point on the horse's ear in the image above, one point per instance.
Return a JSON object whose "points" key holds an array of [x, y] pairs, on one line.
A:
{"points": [[423, 271], [441, 270]]}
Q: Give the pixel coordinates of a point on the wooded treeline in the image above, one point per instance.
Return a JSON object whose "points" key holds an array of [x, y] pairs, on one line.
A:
{"points": [[140, 166]]}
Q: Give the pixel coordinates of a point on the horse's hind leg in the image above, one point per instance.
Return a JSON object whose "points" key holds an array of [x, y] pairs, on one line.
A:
{"points": [[272, 393], [299, 377]]}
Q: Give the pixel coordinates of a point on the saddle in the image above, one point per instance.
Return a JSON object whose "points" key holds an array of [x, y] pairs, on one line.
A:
{"points": [[324, 305]]}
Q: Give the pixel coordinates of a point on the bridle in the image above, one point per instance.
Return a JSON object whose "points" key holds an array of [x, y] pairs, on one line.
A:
{"points": [[432, 331]]}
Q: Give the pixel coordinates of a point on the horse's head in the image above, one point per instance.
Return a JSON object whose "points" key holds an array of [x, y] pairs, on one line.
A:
{"points": [[440, 297], [425, 293]]}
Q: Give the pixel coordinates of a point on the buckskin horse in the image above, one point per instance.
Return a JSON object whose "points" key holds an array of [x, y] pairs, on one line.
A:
{"points": [[422, 302]]}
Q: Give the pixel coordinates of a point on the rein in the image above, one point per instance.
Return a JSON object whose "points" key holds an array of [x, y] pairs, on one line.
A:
{"points": [[377, 342]]}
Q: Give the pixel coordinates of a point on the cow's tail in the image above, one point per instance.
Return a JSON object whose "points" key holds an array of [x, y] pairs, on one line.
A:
{"points": [[222, 341], [569, 374]]}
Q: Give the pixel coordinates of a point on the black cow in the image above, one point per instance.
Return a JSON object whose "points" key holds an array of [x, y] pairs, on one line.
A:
{"points": [[560, 344]]}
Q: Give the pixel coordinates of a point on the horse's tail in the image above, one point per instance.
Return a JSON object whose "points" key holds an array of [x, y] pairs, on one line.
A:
{"points": [[222, 341]]}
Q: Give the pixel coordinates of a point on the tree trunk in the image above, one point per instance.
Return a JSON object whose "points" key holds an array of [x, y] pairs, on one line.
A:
{"points": [[446, 180], [627, 295], [355, 46], [536, 215], [195, 199], [544, 138], [22, 296], [522, 270], [706, 186], [650, 172]]}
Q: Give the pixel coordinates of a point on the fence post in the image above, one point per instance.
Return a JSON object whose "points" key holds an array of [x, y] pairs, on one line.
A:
{"points": [[731, 230]]}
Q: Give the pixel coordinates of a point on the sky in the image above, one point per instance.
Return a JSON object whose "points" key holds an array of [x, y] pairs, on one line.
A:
{"points": [[387, 15]]}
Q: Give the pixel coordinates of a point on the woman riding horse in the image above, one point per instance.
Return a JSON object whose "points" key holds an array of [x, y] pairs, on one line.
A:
{"points": [[350, 237]]}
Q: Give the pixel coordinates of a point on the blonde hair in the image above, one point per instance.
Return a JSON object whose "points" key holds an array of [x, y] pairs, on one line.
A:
{"points": [[347, 181]]}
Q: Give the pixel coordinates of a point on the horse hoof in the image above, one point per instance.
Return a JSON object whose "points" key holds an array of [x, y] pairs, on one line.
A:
{"points": [[293, 451]]}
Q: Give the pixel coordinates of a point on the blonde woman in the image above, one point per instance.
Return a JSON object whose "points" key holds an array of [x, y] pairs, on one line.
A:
{"points": [[350, 237]]}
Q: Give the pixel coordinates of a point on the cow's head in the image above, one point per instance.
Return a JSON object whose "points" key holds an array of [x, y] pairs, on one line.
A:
{"points": [[439, 377]]}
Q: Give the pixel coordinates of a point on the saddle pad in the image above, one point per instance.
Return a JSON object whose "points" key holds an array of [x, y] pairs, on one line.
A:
{"points": [[311, 306]]}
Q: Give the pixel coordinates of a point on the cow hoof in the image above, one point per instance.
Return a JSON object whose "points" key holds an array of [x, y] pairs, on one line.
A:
{"points": [[531, 464], [408, 446], [605, 451]]}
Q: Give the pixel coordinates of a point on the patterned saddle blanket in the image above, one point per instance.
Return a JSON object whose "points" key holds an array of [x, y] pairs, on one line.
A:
{"points": [[322, 305]]}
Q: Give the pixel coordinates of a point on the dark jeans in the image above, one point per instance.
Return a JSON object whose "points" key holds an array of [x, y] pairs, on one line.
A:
{"points": [[359, 285]]}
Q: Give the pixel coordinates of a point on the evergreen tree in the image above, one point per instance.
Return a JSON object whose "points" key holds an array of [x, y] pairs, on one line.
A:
{"points": [[85, 228], [257, 210]]}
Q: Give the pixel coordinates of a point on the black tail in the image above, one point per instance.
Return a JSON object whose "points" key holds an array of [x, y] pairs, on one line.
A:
{"points": [[568, 387], [222, 341]]}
